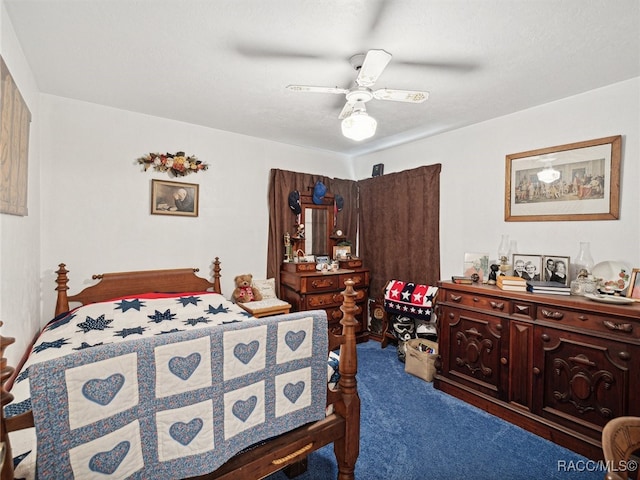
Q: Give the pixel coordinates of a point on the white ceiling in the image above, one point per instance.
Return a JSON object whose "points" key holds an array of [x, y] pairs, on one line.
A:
{"points": [[225, 63]]}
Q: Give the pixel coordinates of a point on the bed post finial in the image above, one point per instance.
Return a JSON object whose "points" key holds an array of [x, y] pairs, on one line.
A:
{"points": [[347, 448], [5, 398], [216, 276], [62, 303]]}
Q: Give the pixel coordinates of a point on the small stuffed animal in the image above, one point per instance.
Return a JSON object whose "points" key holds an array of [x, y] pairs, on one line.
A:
{"points": [[244, 291]]}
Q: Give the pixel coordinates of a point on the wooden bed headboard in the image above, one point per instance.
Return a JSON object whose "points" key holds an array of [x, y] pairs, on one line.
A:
{"points": [[114, 285]]}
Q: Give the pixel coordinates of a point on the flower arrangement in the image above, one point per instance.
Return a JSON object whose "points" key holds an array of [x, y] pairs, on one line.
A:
{"points": [[176, 164]]}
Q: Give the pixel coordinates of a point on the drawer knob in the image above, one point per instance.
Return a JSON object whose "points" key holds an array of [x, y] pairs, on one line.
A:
{"points": [[456, 298], [536, 371], [503, 361], [545, 337], [620, 327], [497, 305], [624, 356]]}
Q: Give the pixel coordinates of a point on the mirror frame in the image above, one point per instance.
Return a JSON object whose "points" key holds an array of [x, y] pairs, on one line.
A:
{"points": [[306, 201]]}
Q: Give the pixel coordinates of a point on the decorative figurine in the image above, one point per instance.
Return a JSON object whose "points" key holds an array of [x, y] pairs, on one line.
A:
{"points": [[493, 276], [288, 254]]}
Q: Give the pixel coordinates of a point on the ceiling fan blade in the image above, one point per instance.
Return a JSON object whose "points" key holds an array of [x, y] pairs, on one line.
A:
{"points": [[410, 96], [379, 14], [346, 110], [453, 66], [374, 64], [265, 52], [312, 89]]}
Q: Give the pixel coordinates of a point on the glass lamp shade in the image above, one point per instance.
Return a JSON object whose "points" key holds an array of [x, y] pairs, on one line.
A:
{"points": [[359, 126], [548, 175]]}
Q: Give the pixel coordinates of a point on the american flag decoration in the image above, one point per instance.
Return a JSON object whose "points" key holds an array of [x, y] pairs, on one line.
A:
{"points": [[406, 298]]}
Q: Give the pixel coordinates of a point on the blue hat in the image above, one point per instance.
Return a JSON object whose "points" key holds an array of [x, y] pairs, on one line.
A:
{"points": [[318, 192]]}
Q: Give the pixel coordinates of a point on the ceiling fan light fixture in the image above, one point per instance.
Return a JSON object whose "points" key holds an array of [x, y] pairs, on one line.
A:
{"points": [[359, 126], [548, 175]]}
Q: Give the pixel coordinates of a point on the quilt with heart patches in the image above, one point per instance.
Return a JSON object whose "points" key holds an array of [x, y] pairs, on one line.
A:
{"points": [[178, 402]]}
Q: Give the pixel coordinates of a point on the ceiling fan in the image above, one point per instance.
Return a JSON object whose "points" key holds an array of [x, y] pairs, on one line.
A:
{"points": [[356, 123]]}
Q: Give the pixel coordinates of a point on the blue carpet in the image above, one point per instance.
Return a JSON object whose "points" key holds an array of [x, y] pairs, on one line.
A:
{"points": [[411, 431]]}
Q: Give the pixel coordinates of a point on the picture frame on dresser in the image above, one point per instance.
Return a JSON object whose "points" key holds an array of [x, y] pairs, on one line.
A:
{"points": [[341, 252], [528, 267], [634, 284], [576, 181], [558, 261]]}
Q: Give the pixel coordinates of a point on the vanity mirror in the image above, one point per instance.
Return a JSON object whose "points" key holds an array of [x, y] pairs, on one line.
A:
{"points": [[318, 226]]}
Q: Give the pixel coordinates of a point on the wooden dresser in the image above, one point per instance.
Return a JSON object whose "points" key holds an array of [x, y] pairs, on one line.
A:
{"points": [[305, 288], [558, 366]]}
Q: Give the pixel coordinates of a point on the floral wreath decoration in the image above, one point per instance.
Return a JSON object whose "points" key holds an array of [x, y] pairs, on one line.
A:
{"points": [[176, 164]]}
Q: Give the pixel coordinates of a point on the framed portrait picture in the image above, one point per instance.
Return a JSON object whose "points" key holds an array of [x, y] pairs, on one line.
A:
{"points": [[577, 181], [528, 267], [634, 284], [476, 263], [555, 269], [174, 198], [341, 252]]}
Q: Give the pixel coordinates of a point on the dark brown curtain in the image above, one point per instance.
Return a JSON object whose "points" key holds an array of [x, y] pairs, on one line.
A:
{"points": [[282, 218], [399, 227]]}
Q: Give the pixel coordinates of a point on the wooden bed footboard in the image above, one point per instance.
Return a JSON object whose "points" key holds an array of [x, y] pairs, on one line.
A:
{"points": [[342, 428]]}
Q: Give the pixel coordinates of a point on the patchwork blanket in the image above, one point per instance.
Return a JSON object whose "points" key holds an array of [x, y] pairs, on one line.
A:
{"points": [[411, 299], [172, 405]]}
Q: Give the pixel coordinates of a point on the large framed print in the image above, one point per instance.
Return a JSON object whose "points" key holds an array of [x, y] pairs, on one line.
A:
{"points": [[577, 181]]}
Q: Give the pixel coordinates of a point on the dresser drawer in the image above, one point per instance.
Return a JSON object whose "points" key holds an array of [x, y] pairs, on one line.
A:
{"points": [[360, 279], [589, 320], [314, 301], [320, 283], [323, 300], [478, 301]]}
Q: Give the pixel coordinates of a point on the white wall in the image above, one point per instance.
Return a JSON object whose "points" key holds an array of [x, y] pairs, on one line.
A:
{"points": [[473, 172], [89, 202], [96, 199], [20, 236]]}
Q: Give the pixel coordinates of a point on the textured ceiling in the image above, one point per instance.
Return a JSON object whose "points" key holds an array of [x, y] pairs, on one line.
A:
{"points": [[225, 64]]}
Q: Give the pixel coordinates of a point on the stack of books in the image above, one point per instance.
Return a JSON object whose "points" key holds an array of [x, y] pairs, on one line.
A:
{"points": [[555, 288], [515, 284]]}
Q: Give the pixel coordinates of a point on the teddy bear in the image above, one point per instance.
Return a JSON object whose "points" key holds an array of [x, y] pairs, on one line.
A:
{"points": [[245, 291]]}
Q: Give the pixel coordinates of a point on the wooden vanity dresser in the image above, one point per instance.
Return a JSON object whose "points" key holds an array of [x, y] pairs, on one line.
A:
{"points": [[306, 288], [558, 366]]}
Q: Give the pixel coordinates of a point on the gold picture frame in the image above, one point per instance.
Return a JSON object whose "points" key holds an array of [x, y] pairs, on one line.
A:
{"points": [[174, 198], [586, 183], [341, 252]]}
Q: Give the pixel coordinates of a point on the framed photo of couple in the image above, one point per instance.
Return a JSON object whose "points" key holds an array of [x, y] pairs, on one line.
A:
{"points": [[545, 268]]}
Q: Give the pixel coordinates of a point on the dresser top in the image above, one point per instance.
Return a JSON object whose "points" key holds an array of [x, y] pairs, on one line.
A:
{"points": [[563, 301]]}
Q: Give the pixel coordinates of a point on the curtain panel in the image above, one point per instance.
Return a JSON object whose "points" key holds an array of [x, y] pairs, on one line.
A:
{"points": [[396, 217], [400, 227]]}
